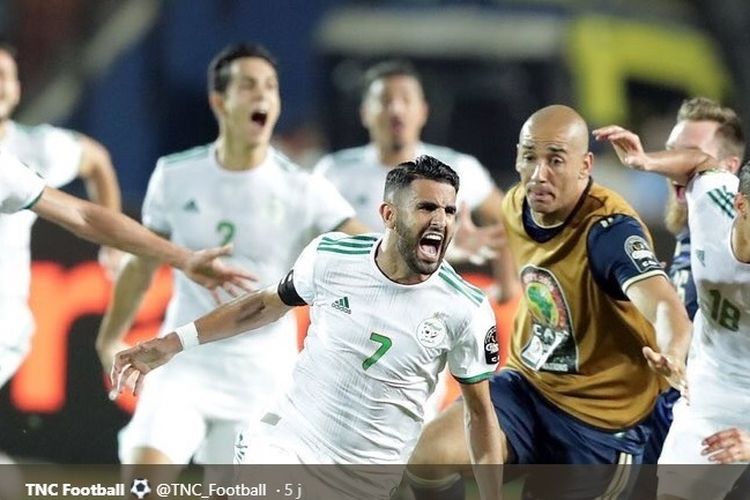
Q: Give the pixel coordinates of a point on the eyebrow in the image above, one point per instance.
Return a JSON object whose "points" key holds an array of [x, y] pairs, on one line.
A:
{"points": [[552, 148]]}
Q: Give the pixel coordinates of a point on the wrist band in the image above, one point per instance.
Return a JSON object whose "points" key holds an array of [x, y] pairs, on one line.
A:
{"points": [[188, 335]]}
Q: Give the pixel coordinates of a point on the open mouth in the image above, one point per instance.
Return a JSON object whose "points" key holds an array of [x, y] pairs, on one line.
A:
{"points": [[259, 118], [679, 192], [430, 246]]}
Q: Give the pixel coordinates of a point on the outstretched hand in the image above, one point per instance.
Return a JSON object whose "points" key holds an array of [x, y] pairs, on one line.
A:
{"points": [[727, 446], [478, 244], [205, 268], [671, 369], [131, 365], [626, 144]]}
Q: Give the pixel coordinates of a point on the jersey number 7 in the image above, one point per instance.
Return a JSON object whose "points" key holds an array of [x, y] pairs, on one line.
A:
{"points": [[385, 344]]}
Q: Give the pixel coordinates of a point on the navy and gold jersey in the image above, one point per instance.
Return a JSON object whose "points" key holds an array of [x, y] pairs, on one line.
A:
{"points": [[681, 275], [577, 338]]}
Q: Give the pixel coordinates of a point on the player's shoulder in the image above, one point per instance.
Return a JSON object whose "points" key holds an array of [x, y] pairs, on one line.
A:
{"points": [[187, 157], [447, 155], [338, 244], [715, 190], [344, 158], [602, 201], [40, 132], [286, 165], [458, 287]]}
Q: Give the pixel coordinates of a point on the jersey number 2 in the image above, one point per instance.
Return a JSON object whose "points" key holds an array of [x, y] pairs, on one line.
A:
{"points": [[385, 344], [226, 230]]}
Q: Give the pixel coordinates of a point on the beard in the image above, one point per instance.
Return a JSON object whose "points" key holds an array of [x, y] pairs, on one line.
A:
{"points": [[675, 214], [407, 248]]}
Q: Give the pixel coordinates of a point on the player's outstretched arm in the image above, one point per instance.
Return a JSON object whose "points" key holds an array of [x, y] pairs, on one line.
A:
{"points": [[483, 439], [728, 446], [679, 165], [107, 227], [658, 301], [248, 312]]}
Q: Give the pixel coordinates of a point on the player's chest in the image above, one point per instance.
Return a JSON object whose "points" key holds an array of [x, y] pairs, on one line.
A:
{"points": [[225, 213], [393, 330]]}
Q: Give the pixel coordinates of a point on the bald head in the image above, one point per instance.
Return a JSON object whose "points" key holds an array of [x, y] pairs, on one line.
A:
{"points": [[554, 162], [558, 123]]}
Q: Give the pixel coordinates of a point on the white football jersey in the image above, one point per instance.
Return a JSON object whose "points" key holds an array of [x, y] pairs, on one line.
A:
{"points": [[19, 186], [360, 177], [269, 213], [53, 153], [718, 374], [374, 351]]}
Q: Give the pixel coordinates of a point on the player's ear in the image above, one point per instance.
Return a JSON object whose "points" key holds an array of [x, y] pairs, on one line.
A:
{"points": [[388, 214], [586, 166], [216, 101], [740, 204]]}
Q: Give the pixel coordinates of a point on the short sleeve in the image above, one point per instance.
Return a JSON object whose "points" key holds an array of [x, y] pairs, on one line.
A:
{"points": [[154, 211], [328, 208], [476, 184], [710, 199], [304, 270], [620, 254], [20, 187], [323, 166], [476, 352], [62, 151]]}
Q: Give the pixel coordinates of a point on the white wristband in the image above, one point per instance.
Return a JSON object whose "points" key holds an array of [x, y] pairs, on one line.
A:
{"points": [[188, 335]]}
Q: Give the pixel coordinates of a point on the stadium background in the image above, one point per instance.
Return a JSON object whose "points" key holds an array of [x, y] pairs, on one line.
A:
{"points": [[132, 75]]}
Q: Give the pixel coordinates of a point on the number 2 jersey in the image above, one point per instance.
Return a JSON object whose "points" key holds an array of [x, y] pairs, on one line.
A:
{"points": [[374, 351], [718, 373], [269, 213]]}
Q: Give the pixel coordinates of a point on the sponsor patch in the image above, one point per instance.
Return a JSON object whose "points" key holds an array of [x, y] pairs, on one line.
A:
{"points": [[641, 255], [491, 347]]}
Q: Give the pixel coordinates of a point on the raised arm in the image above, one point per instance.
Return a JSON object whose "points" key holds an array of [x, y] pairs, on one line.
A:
{"points": [[678, 165], [107, 227], [247, 312]]}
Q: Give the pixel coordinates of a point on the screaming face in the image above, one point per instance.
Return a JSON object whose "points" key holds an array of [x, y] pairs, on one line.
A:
{"points": [[425, 225]]}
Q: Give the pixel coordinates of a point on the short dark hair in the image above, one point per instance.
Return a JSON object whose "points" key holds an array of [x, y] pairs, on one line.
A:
{"points": [[730, 130], [744, 175], [218, 69], [387, 69], [423, 167]]}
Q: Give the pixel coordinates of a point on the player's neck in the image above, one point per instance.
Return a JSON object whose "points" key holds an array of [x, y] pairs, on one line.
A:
{"points": [[740, 240], [389, 261], [239, 155], [391, 157], [4, 126]]}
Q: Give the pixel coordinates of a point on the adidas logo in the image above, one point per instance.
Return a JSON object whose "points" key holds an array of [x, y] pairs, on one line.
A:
{"points": [[701, 257], [190, 206], [342, 305]]}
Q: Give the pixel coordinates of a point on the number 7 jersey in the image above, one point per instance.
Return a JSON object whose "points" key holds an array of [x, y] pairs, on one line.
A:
{"points": [[375, 348], [721, 344]]}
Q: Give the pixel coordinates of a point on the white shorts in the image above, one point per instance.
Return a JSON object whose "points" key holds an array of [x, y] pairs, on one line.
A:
{"points": [[16, 329], [683, 447], [320, 475], [193, 407]]}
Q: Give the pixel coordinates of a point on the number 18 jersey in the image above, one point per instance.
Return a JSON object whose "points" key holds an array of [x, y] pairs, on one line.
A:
{"points": [[721, 346]]}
